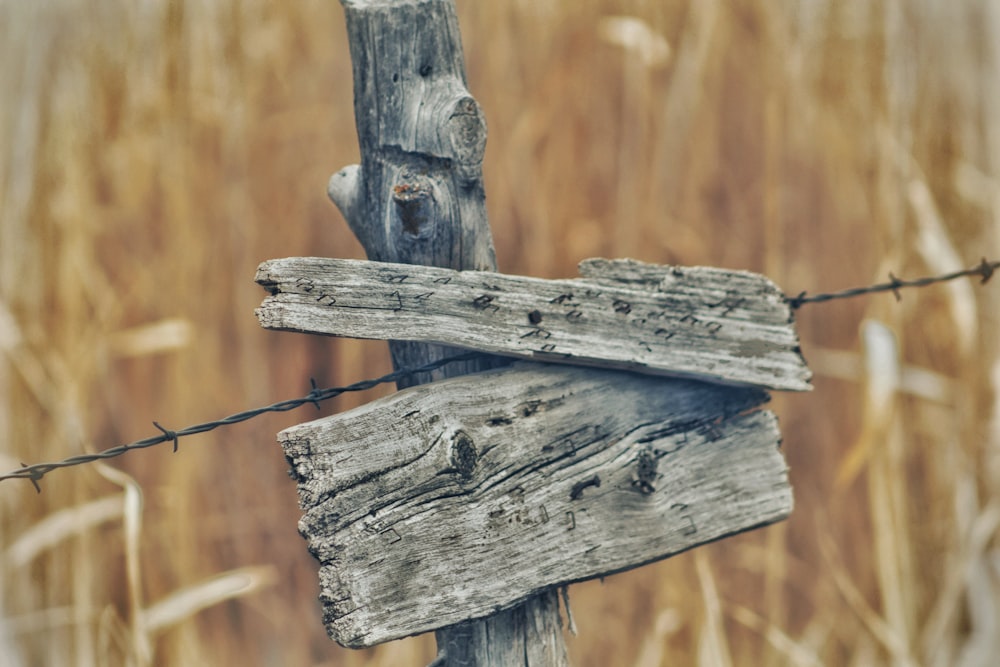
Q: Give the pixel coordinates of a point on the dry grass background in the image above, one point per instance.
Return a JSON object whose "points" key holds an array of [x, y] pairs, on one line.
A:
{"points": [[151, 154]]}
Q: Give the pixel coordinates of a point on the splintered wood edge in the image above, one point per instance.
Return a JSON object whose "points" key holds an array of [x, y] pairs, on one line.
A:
{"points": [[730, 327], [451, 501]]}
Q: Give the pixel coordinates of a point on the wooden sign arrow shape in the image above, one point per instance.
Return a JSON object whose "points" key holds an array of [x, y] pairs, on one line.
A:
{"points": [[453, 500], [730, 327]]}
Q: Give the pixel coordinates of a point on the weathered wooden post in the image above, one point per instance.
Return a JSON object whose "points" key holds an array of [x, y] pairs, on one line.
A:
{"points": [[418, 198], [461, 505]]}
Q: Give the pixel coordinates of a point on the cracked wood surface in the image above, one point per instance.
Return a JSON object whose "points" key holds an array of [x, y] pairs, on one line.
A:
{"points": [[732, 327], [451, 501], [418, 198]]}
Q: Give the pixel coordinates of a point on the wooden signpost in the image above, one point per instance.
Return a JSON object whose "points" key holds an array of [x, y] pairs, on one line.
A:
{"points": [[461, 505]]}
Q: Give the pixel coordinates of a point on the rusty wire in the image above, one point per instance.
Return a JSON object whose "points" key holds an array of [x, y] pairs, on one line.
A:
{"points": [[36, 472]]}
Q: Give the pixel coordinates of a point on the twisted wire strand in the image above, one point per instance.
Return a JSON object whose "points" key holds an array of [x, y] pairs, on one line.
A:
{"points": [[37, 471], [984, 269]]}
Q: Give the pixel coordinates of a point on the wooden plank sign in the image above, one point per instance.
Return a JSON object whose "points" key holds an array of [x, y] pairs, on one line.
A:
{"points": [[731, 327], [456, 499]]}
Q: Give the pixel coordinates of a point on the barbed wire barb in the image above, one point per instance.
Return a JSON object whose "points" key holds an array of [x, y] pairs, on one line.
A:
{"points": [[170, 435], [984, 269], [37, 471], [314, 394]]}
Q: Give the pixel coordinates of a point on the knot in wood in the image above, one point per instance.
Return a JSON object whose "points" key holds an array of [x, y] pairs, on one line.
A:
{"points": [[414, 206], [463, 454], [466, 131]]}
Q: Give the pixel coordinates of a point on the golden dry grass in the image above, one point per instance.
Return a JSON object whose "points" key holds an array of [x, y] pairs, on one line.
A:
{"points": [[154, 153]]}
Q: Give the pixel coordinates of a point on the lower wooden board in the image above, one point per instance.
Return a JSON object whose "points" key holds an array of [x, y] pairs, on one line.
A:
{"points": [[453, 500]]}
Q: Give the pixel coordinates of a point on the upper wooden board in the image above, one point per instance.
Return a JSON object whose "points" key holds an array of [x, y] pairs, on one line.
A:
{"points": [[730, 327], [452, 500]]}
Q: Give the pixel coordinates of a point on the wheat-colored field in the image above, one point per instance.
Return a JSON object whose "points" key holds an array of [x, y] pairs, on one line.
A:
{"points": [[152, 154]]}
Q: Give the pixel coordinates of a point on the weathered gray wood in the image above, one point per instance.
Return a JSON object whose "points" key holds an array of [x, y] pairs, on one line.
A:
{"points": [[451, 501], [521, 635], [733, 327], [418, 198]]}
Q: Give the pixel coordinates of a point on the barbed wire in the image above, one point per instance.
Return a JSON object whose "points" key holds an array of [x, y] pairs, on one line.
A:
{"points": [[985, 269], [37, 471]]}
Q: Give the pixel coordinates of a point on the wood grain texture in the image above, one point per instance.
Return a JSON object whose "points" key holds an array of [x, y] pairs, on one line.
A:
{"points": [[732, 327], [418, 198], [452, 501]]}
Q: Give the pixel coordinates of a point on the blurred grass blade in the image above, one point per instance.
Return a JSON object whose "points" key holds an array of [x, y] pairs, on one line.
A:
{"points": [[939, 252], [713, 647], [794, 652], [142, 650], [61, 525], [882, 379], [164, 335], [187, 602]]}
